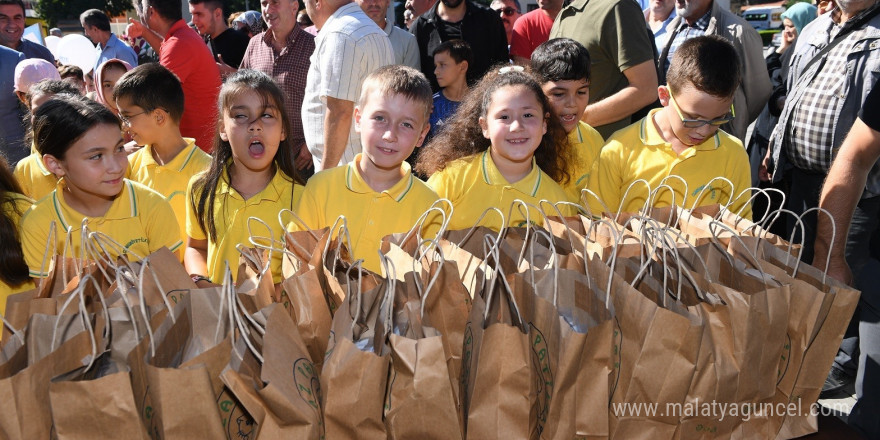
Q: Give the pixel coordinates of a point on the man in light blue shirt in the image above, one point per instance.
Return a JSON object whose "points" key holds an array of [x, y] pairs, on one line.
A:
{"points": [[97, 28], [11, 129]]}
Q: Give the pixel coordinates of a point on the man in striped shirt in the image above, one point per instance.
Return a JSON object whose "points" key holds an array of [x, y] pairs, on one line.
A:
{"points": [[348, 47]]}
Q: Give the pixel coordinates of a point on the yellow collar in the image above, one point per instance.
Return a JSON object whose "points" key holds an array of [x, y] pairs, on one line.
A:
{"points": [[279, 184], [527, 185], [124, 206], [356, 183], [179, 162]]}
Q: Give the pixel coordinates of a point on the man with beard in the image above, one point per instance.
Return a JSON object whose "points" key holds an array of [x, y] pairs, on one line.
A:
{"points": [[349, 46], [283, 52], [226, 44], [708, 17], [406, 51], [481, 27], [532, 29], [831, 73], [96, 25], [12, 28]]}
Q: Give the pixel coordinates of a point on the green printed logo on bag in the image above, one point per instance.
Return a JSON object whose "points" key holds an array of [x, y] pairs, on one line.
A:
{"points": [[307, 383], [541, 359], [238, 424]]}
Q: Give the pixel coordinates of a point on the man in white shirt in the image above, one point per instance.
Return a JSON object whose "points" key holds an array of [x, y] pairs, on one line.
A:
{"points": [[406, 49], [348, 47]]}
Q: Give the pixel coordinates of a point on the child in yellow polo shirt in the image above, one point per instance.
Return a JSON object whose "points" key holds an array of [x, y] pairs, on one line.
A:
{"points": [[252, 174], [150, 103], [35, 180], [562, 66], [501, 145], [680, 139], [81, 142], [377, 191], [14, 277]]}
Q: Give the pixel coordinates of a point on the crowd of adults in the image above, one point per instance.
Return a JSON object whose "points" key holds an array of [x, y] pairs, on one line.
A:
{"points": [[817, 138]]}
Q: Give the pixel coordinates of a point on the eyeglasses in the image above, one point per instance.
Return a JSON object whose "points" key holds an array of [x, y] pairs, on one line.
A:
{"points": [[696, 123], [127, 119], [506, 11]]}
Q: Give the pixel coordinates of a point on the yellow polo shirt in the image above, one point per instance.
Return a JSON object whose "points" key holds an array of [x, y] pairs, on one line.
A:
{"points": [[474, 184], [231, 213], [640, 152], [371, 215], [22, 204], [585, 142], [35, 180], [139, 219], [170, 179]]}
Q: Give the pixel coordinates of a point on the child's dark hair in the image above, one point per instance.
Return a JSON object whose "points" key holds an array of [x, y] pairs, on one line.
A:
{"points": [[151, 86], [61, 121], [463, 137], [70, 71], [170, 10], [708, 63], [402, 80], [13, 269], [51, 87], [206, 186], [46, 87], [458, 50], [561, 59]]}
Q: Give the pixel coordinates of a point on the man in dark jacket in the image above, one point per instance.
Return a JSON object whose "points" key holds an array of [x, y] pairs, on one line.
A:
{"points": [[481, 27]]}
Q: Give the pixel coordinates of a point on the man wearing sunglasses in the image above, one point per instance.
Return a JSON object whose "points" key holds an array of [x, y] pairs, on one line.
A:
{"points": [[508, 10], [679, 150]]}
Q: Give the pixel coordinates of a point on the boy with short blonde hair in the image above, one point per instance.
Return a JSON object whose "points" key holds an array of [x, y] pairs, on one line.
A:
{"points": [[377, 191], [680, 139]]}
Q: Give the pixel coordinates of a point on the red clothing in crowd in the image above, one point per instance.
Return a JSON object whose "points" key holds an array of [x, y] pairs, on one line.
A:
{"points": [[186, 54], [529, 31]]}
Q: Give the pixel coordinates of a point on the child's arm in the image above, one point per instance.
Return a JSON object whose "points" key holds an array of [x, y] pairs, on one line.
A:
{"points": [[195, 259]]}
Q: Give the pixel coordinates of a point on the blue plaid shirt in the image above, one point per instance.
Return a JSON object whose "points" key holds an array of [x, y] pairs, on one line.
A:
{"points": [[684, 32]]}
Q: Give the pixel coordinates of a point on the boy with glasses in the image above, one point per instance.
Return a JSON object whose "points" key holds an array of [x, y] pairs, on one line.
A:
{"points": [[680, 139]]}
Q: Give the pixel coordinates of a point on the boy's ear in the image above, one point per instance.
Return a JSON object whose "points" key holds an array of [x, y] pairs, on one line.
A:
{"points": [[424, 134], [357, 118], [485, 127], [464, 66], [160, 116], [547, 116], [53, 165], [663, 94]]}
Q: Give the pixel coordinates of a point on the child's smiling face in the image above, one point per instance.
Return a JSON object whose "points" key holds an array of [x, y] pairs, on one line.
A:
{"points": [[514, 123], [391, 126]]}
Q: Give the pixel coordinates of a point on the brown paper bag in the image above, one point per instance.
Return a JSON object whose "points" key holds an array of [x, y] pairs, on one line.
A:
{"points": [[579, 407], [498, 386], [26, 412], [659, 347], [283, 405], [419, 401], [100, 408], [355, 374]]}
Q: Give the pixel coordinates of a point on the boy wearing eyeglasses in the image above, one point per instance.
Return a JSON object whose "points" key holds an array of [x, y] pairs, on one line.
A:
{"points": [[682, 139], [150, 103]]}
